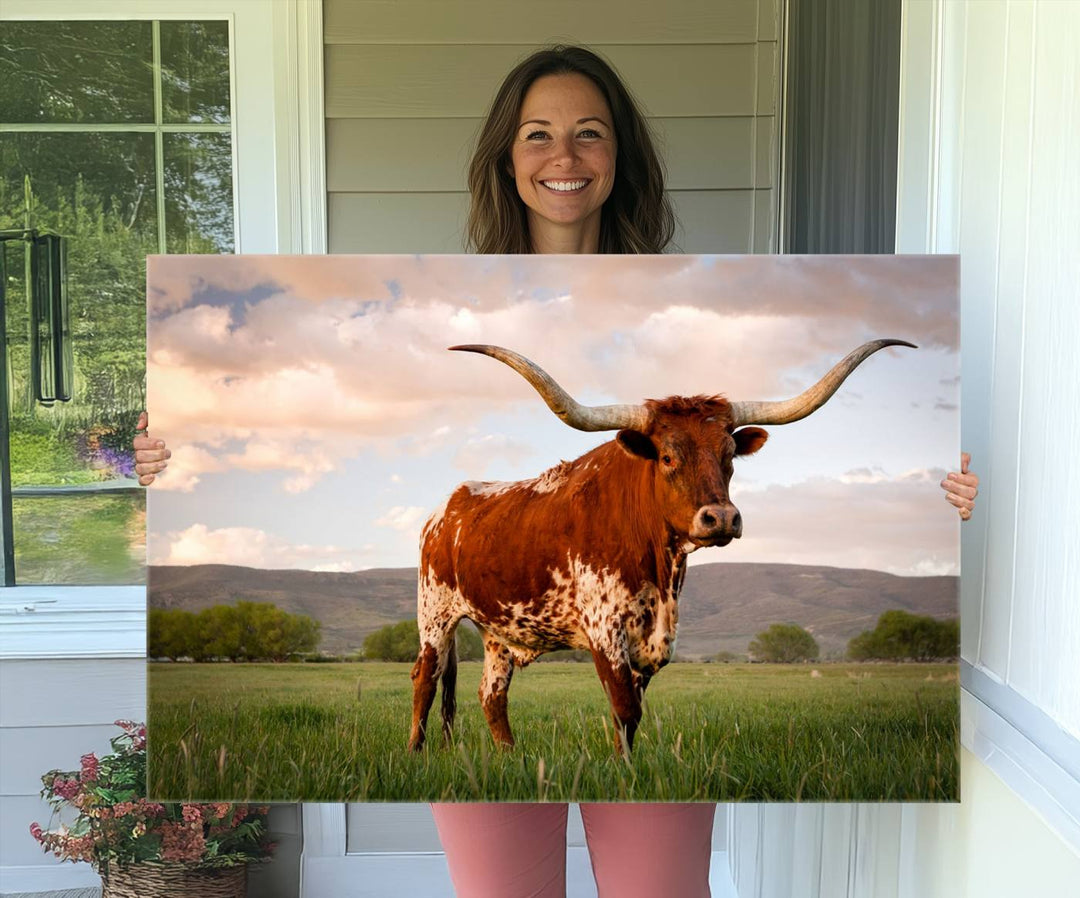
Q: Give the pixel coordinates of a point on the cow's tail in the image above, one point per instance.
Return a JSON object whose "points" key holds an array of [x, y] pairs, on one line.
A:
{"points": [[449, 691]]}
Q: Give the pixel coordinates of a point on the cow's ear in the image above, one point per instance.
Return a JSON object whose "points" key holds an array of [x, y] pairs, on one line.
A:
{"points": [[749, 439], [637, 444]]}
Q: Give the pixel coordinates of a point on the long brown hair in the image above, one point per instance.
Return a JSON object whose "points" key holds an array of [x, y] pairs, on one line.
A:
{"points": [[637, 216]]}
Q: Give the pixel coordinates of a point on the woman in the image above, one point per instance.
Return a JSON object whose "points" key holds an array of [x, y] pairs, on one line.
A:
{"points": [[565, 164]]}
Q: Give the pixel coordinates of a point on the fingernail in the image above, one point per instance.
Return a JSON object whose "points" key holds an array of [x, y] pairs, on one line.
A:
{"points": [[160, 444]]}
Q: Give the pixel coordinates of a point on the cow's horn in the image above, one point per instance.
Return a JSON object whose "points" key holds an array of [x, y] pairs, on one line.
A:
{"points": [[809, 402], [581, 417]]}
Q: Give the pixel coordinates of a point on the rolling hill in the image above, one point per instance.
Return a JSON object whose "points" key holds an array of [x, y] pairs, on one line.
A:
{"points": [[721, 608]]}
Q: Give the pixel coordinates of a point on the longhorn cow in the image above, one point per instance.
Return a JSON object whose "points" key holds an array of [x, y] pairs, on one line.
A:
{"points": [[592, 553]]}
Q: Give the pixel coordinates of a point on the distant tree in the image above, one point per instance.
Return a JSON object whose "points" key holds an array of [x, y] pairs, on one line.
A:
{"points": [[274, 635], [221, 634], [169, 632], [246, 631], [900, 636], [784, 643], [726, 657], [394, 642]]}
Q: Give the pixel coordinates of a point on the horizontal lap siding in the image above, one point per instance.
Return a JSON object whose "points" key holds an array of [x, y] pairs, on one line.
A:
{"points": [[407, 85], [53, 712], [530, 23], [460, 80], [427, 155]]}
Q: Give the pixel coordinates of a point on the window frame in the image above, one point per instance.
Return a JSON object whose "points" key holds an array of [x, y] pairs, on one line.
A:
{"points": [[279, 206]]}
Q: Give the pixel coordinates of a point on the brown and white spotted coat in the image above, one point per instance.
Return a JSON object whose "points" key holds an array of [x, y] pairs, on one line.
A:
{"points": [[589, 555]]}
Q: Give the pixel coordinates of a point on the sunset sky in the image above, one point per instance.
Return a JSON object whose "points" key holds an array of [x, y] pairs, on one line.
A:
{"points": [[316, 417]]}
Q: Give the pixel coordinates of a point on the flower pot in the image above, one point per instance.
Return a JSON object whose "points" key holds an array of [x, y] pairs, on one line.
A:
{"points": [[174, 881]]}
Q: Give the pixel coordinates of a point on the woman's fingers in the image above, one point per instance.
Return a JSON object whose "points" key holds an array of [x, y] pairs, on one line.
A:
{"points": [[961, 487]]}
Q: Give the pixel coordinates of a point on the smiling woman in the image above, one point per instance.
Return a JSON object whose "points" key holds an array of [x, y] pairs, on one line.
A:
{"points": [[561, 117], [563, 162]]}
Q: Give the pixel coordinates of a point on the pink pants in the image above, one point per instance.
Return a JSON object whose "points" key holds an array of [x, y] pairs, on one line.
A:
{"points": [[519, 850]]}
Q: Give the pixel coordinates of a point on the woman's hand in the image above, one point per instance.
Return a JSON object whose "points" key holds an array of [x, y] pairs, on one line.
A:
{"points": [[962, 488], [151, 456]]}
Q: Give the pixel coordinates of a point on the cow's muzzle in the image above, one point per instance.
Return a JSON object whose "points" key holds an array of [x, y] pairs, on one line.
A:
{"points": [[716, 525]]}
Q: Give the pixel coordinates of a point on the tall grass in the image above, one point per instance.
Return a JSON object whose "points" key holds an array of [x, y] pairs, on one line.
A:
{"points": [[710, 732]]}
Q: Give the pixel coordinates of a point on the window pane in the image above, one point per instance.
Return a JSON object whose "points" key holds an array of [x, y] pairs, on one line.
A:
{"points": [[98, 191], [198, 193], [195, 72], [78, 180], [76, 72], [81, 540]]}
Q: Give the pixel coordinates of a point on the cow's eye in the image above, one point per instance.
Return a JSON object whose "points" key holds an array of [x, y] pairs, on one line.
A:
{"points": [[666, 460]]}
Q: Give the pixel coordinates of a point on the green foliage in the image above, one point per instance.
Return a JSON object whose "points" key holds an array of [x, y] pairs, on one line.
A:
{"points": [[900, 635], [784, 644], [726, 657], [169, 633], [394, 642], [247, 631]]}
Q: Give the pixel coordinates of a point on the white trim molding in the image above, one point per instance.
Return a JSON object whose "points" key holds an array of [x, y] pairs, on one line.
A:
{"points": [[298, 28], [73, 622], [1001, 730]]}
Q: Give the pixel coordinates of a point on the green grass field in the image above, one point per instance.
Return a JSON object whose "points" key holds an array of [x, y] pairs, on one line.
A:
{"points": [[337, 732]]}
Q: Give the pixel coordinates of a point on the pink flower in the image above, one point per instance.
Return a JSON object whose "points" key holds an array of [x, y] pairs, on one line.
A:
{"points": [[192, 814], [36, 832], [181, 842], [66, 789], [89, 768]]}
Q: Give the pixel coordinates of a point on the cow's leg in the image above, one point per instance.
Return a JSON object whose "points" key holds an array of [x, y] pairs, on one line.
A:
{"points": [[498, 669], [449, 694], [624, 688], [436, 625], [641, 683]]}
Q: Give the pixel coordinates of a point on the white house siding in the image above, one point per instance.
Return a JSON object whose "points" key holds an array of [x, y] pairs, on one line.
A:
{"points": [[53, 711], [408, 83]]}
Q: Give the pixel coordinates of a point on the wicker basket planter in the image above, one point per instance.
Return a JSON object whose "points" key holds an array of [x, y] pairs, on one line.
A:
{"points": [[174, 881]]}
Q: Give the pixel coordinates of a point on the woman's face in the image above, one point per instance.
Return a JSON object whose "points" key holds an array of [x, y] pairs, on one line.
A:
{"points": [[563, 154]]}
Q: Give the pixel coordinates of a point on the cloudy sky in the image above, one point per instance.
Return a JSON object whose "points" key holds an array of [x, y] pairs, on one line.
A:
{"points": [[316, 417]]}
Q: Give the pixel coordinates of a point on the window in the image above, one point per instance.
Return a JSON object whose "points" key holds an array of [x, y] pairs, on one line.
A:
{"points": [[116, 135]]}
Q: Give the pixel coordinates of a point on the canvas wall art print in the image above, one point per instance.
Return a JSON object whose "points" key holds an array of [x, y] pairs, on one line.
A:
{"points": [[631, 528]]}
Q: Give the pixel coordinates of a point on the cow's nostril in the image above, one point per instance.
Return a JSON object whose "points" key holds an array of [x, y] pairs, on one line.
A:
{"points": [[708, 519], [736, 522]]}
